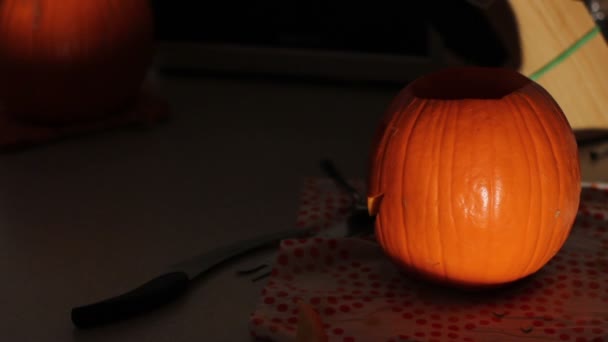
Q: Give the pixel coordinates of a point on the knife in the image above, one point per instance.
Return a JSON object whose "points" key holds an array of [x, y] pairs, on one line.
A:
{"points": [[172, 284], [178, 278]]}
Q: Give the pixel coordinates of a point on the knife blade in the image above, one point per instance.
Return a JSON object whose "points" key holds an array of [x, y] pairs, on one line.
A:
{"points": [[179, 277], [171, 284]]}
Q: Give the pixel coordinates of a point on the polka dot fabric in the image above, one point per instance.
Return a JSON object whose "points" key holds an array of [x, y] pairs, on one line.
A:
{"points": [[362, 296]]}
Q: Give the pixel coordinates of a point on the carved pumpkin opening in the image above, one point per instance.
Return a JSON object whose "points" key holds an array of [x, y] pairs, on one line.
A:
{"points": [[469, 83]]}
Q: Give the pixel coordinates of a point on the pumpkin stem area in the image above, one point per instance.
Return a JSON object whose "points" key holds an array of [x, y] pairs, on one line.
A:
{"points": [[469, 83]]}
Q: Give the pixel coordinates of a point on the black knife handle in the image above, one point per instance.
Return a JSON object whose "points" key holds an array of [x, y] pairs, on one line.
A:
{"points": [[144, 298]]}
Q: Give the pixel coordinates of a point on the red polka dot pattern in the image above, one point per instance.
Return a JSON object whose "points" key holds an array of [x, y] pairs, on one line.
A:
{"points": [[361, 296]]}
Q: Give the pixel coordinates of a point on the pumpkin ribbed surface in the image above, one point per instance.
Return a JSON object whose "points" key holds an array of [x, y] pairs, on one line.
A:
{"points": [[474, 177]]}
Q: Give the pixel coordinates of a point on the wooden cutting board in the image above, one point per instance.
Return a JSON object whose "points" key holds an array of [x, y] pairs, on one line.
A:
{"points": [[547, 28]]}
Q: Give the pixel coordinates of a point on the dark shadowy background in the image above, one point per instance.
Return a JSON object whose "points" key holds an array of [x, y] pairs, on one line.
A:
{"points": [[384, 26]]}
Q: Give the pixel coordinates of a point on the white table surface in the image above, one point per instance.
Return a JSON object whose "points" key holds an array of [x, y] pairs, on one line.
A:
{"points": [[87, 218]]}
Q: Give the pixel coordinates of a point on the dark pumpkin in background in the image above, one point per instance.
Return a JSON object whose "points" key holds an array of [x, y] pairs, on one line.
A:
{"points": [[72, 60], [474, 178]]}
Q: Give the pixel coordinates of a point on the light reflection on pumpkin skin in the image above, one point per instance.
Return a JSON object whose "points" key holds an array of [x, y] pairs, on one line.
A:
{"points": [[474, 205], [484, 195], [482, 201], [474, 178]]}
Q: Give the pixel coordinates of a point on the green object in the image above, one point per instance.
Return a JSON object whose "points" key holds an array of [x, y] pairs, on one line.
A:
{"points": [[564, 55]]}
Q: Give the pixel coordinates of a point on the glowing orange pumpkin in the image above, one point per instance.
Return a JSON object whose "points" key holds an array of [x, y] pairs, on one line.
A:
{"points": [[474, 178], [72, 59]]}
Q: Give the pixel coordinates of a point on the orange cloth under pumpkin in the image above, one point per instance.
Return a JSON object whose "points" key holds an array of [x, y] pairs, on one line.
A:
{"points": [[149, 108]]}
